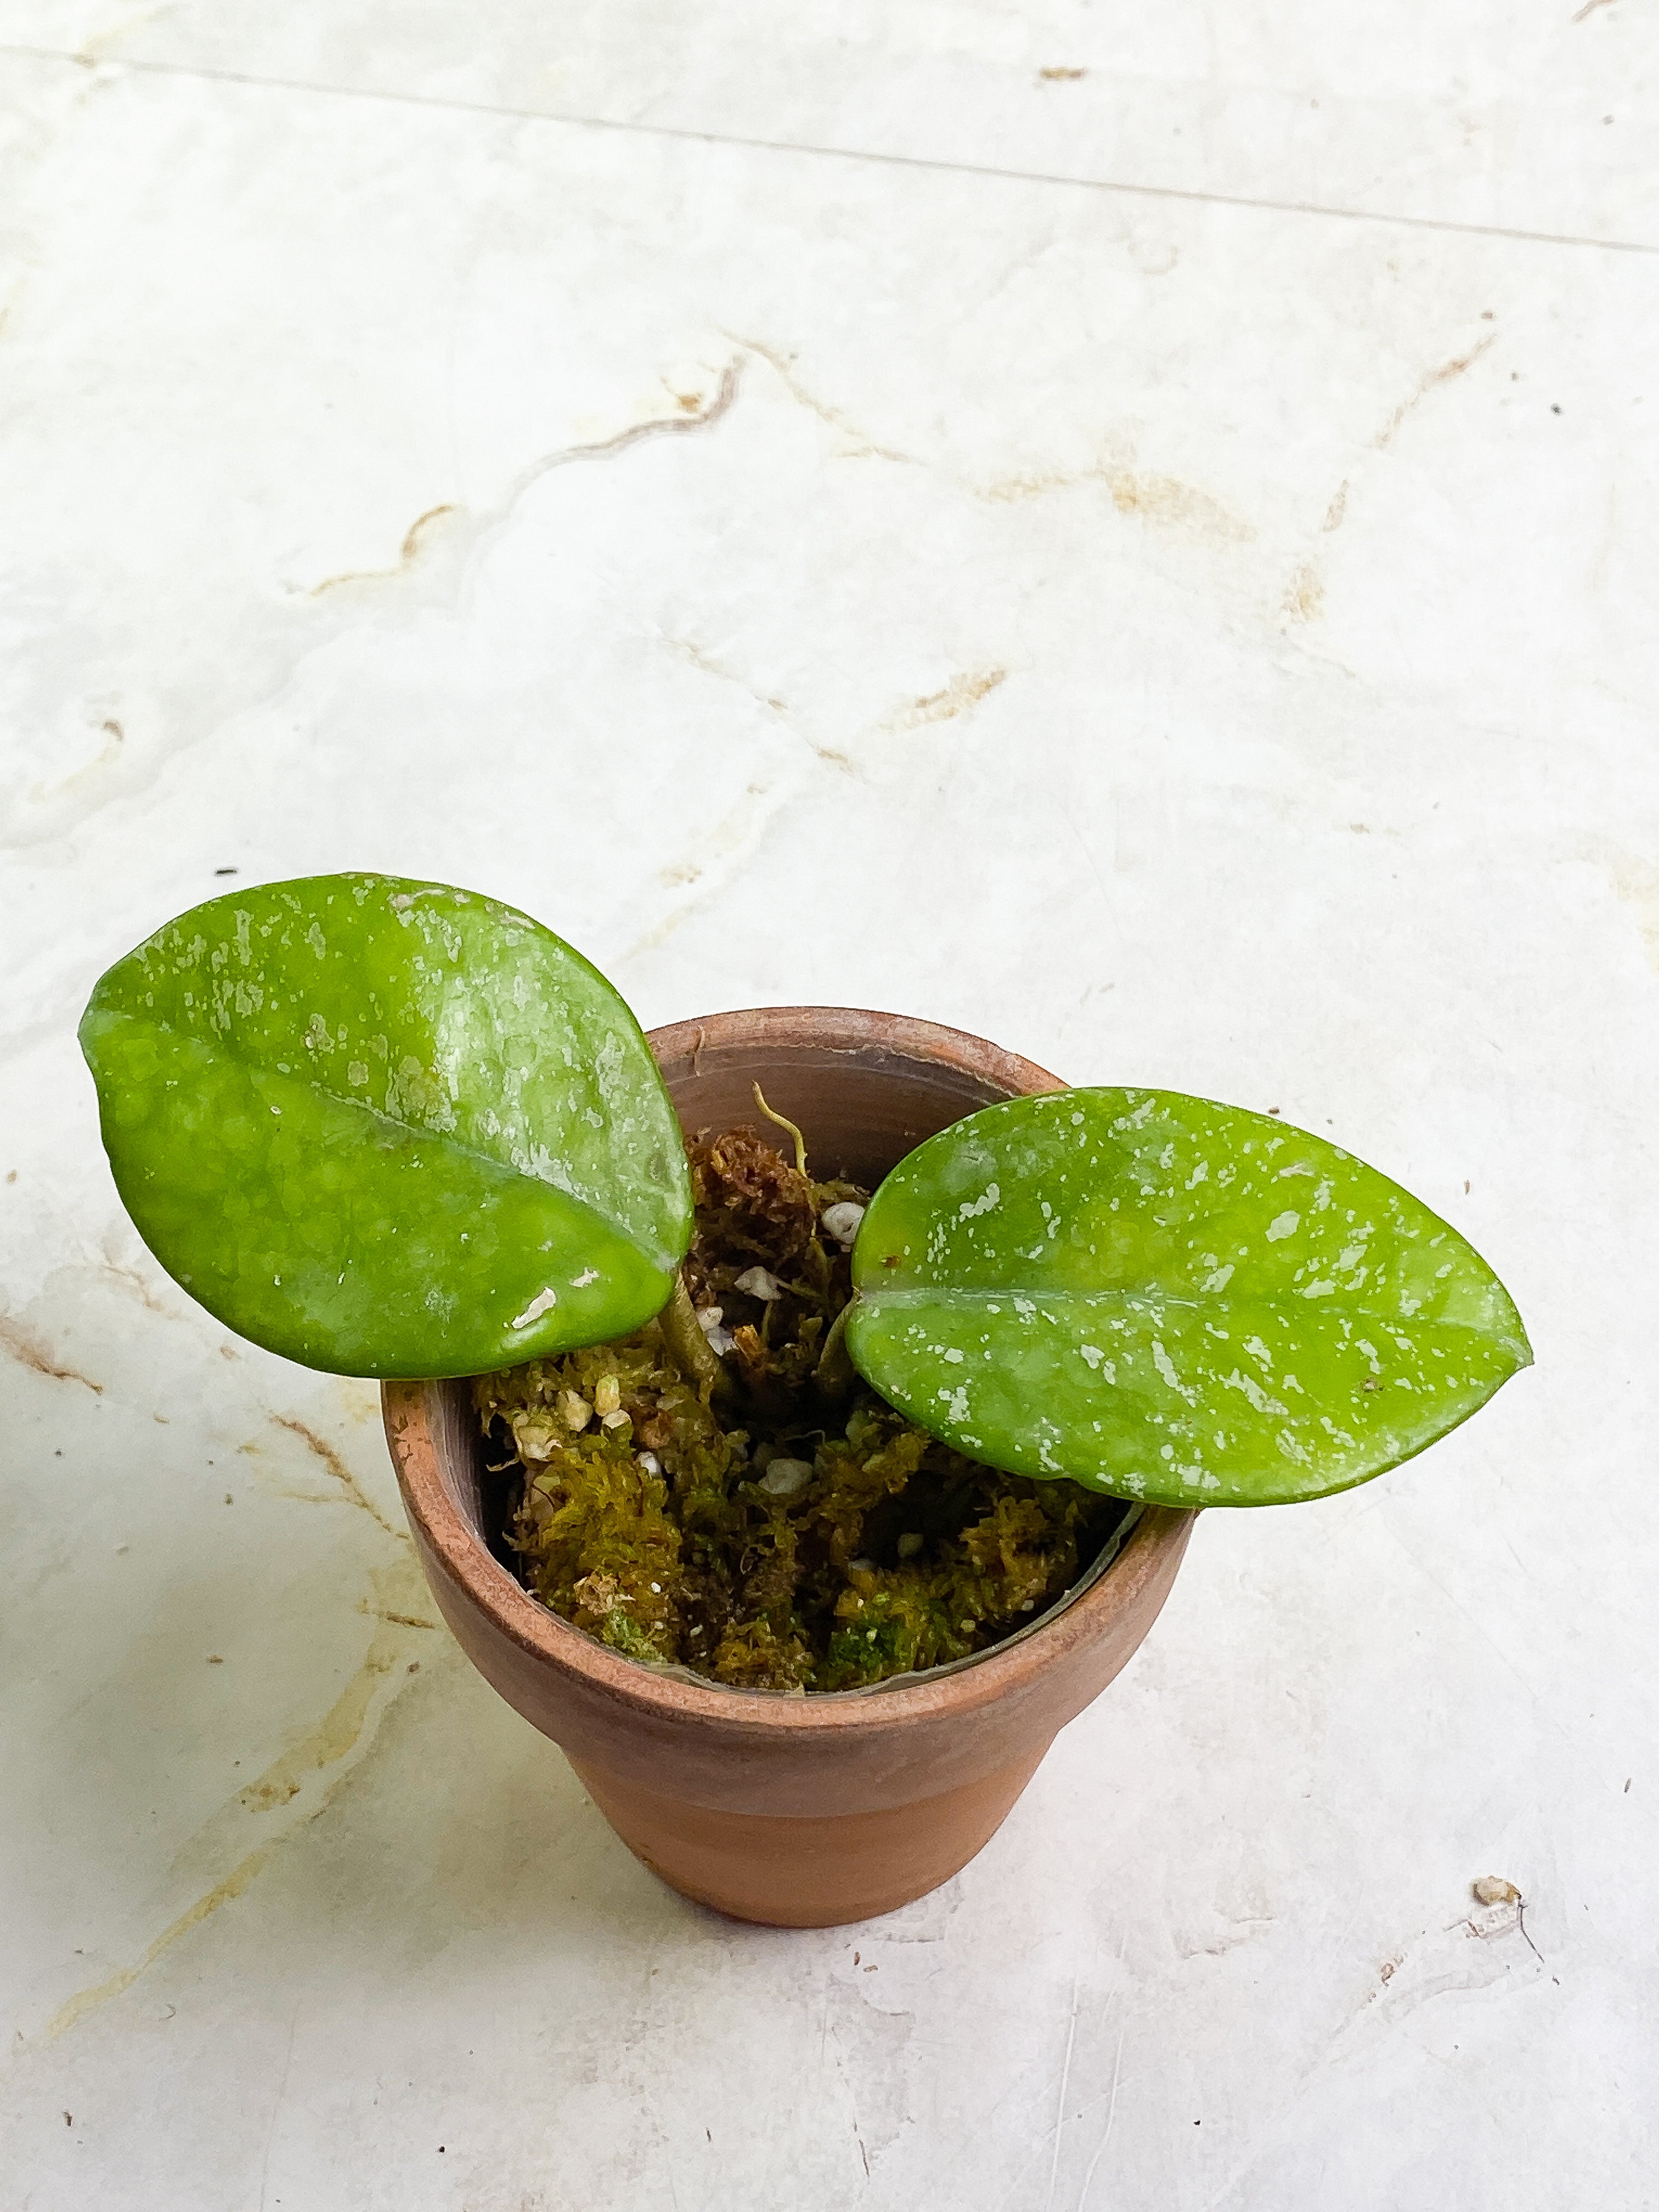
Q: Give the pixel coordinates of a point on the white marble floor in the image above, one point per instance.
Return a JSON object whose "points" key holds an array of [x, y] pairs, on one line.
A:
{"points": [[1144, 545]]}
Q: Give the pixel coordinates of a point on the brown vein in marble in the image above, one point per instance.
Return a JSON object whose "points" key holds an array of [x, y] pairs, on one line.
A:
{"points": [[136, 1284], [342, 1474], [1303, 600], [329, 1739], [961, 693], [88, 54], [1164, 502], [1304, 595], [29, 1350], [1446, 373], [710, 667], [408, 553], [88, 2001], [326, 1744], [783, 367], [1635, 883], [739, 827], [465, 530], [111, 751], [447, 526]]}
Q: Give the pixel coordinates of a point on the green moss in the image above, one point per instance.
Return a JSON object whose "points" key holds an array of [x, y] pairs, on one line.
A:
{"points": [[644, 1517]]}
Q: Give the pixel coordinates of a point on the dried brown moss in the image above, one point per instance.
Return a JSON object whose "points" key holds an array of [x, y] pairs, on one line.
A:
{"points": [[783, 1543]]}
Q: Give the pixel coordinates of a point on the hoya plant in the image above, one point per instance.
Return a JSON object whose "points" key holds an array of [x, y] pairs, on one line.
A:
{"points": [[390, 1128]]}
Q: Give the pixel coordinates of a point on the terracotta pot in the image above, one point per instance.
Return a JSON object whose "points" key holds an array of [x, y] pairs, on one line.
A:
{"points": [[802, 1812]]}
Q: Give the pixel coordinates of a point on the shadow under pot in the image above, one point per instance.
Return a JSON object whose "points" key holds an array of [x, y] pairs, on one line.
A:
{"points": [[799, 1812]]}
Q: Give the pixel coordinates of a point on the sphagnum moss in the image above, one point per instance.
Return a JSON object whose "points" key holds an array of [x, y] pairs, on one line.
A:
{"points": [[644, 1513]]}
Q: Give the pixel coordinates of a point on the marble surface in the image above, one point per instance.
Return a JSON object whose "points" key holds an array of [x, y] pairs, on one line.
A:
{"points": [[1154, 566]]}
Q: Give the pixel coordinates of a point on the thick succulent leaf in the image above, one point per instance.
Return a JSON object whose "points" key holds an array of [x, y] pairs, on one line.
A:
{"points": [[1170, 1300], [389, 1128]]}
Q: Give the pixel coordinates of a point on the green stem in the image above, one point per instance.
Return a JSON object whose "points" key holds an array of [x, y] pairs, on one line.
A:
{"points": [[691, 1350], [835, 1372], [784, 1122]]}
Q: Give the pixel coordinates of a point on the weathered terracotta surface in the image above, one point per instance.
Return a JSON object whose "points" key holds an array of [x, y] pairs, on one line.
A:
{"points": [[803, 1812]]}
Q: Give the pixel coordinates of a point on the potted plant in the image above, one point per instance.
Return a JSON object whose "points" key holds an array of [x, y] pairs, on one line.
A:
{"points": [[802, 1513]]}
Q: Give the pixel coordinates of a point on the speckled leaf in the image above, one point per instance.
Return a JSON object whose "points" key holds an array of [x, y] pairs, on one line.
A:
{"points": [[1171, 1300], [389, 1128]]}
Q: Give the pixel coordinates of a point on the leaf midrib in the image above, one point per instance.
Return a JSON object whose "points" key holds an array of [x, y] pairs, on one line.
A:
{"points": [[913, 1300], [377, 1114]]}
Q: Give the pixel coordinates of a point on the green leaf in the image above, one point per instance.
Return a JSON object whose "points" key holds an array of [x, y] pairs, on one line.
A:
{"points": [[389, 1128], [1170, 1300]]}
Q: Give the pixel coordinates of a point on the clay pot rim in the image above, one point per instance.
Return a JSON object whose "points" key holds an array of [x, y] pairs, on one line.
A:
{"points": [[770, 1714]]}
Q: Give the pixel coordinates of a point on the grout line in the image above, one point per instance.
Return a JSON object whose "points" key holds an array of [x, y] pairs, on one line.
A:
{"points": [[685, 134]]}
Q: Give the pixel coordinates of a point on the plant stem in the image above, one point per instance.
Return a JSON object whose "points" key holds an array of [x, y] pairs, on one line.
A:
{"points": [[835, 1371], [783, 1122], [691, 1352]]}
